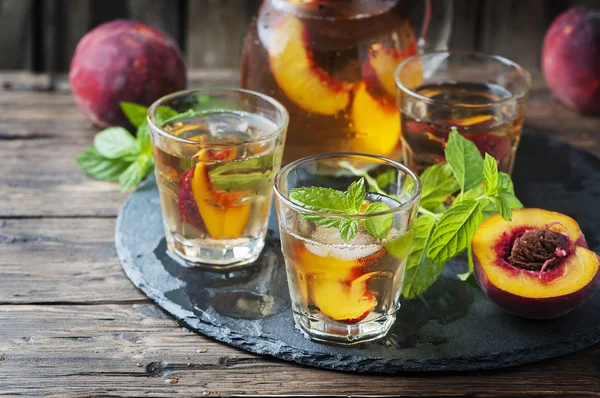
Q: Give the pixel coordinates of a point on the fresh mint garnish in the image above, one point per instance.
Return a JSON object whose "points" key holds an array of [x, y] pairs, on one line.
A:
{"points": [[136, 114], [346, 204], [455, 230], [441, 232], [490, 174], [116, 143], [438, 183], [420, 270], [117, 155], [465, 160]]}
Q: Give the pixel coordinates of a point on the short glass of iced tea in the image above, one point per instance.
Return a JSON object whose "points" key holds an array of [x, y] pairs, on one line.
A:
{"points": [[483, 96], [346, 223], [217, 152]]}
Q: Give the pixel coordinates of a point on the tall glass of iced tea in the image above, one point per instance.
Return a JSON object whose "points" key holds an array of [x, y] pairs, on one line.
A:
{"points": [[483, 96], [346, 223], [331, 64], [217, 152]]}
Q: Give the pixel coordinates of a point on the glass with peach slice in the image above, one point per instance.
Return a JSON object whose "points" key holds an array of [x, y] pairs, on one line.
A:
{"points": [[217, 152], [345, 239], [331, 63], [482, 96]]}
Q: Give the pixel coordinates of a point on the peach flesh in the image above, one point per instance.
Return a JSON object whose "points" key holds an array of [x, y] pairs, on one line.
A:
{"points": [[560, 288]]}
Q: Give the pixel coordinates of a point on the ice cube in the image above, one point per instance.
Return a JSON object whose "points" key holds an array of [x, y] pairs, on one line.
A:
{"points": [[331, 244], [228, 127]]}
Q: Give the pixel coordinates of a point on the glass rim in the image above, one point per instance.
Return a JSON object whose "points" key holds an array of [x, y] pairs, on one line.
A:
{"points": [[310, 159], [503, 60], [281, 127]]}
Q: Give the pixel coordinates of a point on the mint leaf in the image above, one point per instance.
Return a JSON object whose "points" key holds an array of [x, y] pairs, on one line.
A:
{"points": [[454, 231], [466, 275], [378, 226], [356, 195], [326, 200], [115, 142], [420, 272], [348, 228], [503, 205], [505, 183], [241, 182], [384, 179], [135, 172], [490, 174], [163, 114], [136, 114], [511, 200], [142, 136], [99, 167], [465, 160], [438, 183]]}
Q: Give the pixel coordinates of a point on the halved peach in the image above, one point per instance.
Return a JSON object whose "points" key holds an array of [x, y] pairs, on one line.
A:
{"points": [[537, 266], [348, 302], [379, 66], [297, 74], [219, 212], [376, 123]]}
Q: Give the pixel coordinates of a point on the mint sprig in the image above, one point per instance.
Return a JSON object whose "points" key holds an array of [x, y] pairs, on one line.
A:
{"points": [[481, 191], [345, 205], [117, 155]]}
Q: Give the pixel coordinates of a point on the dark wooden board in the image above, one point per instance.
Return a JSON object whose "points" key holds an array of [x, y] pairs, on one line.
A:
{"points": [[454, 327]]}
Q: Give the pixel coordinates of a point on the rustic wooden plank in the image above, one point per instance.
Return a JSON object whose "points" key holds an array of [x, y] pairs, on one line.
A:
{"points": [[137, 350], [41, 134], [15, 34], [62, 260], [515, 29], [215, 32]]}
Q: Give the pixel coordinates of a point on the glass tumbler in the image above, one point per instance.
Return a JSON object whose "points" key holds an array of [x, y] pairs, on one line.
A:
{"points": [[217, 152], [482, 96], [346, 290]]}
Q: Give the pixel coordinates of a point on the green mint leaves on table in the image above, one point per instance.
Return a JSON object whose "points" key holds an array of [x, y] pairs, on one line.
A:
{"points": [[441, 233], [345, 204], [117, 155]]}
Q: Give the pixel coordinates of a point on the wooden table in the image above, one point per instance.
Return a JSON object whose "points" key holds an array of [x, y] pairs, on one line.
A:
{"points": [[72, 323]]}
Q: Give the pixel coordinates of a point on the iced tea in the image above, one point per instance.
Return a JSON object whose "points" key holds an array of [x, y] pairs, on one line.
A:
{"points": [[215, 168]]}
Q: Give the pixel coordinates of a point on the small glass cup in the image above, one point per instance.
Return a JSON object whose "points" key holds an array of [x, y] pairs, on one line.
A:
{"points": [[217, 152], [346, 292], [483, 96]]}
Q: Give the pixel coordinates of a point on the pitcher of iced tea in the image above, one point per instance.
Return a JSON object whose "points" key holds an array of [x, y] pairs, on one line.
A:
{"points": [[331, 64]]}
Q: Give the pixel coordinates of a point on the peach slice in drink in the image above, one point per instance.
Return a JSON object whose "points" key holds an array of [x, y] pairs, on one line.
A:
{"points": [[219, 212], [376, 123], [298, 75], [347, 302]]}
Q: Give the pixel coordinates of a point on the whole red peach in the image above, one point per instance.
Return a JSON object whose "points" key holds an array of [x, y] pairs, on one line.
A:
{"points": [[571, 59], [123, 61]]}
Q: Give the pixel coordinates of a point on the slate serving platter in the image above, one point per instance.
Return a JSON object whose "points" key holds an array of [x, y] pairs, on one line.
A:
{"points": [[453, 328]]}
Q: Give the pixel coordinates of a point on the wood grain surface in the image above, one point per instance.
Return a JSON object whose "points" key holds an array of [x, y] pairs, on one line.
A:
{"points": [[71, 324]]}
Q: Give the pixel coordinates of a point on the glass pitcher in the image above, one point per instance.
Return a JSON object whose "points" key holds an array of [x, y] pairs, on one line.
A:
{"points": [[331, 63]]}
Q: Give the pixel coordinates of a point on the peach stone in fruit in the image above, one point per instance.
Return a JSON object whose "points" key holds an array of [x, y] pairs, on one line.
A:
{"points": [[376, 123], [298, 75], [537, 266]]}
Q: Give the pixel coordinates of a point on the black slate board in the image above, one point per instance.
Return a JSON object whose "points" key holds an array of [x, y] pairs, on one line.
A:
{"points": [[455, 327]]}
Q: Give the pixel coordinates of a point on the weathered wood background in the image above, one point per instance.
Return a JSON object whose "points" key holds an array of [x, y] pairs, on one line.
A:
{"points": [[41, 35]]}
